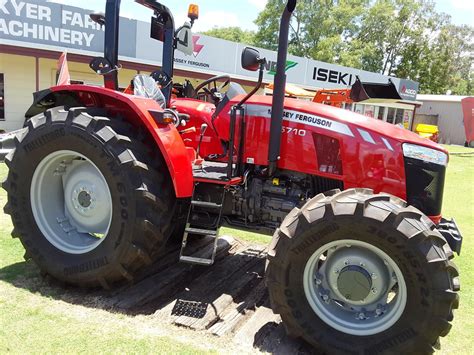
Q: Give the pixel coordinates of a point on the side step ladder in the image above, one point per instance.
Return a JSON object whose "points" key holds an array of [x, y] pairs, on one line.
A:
{"points": [[204, 219]]}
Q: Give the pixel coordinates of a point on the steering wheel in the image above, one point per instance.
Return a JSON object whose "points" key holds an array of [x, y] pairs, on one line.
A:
{"points": [[216, 92]]}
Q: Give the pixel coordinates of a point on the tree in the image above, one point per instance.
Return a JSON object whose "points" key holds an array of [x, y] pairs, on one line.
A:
{"points": [[319, 28], [406, 38], [234, 34], [449, 62]]}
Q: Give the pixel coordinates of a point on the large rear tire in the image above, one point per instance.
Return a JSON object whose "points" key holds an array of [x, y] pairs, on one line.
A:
{"points": [[353, 272], [90, 206]]}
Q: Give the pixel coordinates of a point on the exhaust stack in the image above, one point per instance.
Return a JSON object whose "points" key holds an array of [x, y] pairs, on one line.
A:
{"points": [[279, 89]]}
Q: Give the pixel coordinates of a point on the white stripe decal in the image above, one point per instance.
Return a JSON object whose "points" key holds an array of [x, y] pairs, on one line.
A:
{"points": [[366, 136], [387, 144], [301, 117]]}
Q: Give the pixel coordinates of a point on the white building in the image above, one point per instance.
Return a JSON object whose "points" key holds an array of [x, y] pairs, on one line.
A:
{"points": [[446, 112]]}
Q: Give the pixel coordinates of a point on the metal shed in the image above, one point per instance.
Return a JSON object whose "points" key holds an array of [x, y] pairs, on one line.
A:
{"points": [[447, 111]]}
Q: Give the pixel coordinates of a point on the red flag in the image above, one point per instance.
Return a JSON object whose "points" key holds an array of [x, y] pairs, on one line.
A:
{"points": [[63, 77]]}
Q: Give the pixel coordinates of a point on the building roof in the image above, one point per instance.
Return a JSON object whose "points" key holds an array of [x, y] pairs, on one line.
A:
{"points": [[442, 98]]}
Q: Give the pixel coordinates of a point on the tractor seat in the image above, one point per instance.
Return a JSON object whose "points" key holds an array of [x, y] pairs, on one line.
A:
{"points": [[146, 86]]}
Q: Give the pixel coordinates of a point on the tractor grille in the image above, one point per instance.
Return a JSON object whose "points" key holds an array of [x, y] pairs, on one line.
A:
{"points": [[425, 184], [322, 184]]}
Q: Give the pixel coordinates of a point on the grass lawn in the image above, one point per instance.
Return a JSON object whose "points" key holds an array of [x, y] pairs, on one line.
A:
{"points": [[32, 321]]}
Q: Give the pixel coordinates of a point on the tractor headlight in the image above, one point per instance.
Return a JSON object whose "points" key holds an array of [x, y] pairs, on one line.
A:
{"points": [[426, 154]]}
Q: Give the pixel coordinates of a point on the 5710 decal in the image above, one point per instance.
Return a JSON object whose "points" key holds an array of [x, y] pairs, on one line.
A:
{"points": [[294, 131]]}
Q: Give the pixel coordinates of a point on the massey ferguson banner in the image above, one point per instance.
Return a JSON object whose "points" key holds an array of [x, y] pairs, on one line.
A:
{"points": [[53, 26]]}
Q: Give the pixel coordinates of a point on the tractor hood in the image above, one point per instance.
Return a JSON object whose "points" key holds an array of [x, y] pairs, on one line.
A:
{"points": [[350, 119]]}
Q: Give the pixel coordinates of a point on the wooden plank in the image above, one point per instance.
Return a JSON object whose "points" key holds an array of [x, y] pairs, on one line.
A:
{"points": [[209, 287], [166, 311], [232, 317], [258, 325], [237, 288], [167, 282], [218, 288]]}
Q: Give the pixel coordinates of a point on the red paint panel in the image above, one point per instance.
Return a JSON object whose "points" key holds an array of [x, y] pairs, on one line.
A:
{"points": [[468, 112], [166, 136]]}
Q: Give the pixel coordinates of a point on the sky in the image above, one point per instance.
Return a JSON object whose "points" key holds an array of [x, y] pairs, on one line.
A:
{"points": [[242, 13]]}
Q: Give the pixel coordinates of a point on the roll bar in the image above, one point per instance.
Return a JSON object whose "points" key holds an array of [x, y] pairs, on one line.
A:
{"points": [[111, 40], [279, 89]]}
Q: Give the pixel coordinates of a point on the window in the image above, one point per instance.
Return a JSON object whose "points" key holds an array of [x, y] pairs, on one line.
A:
{"points": [[369, 110], [381, 112], [391, 114], [2, 98], [399, 116], [407, 117]]}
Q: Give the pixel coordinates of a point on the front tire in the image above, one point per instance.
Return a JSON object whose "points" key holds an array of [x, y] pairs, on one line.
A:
{"points": [[354, 272], [90, 206]]}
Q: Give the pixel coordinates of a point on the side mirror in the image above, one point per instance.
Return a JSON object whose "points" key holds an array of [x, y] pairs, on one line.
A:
{"points": [[251, 59], [98, 17], [184, 39]]}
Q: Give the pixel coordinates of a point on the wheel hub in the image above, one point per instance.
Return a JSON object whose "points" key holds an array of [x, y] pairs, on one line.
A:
{"points": [[354, 283], [71, 201], [355, 275], [84, 198], [355, 287]]}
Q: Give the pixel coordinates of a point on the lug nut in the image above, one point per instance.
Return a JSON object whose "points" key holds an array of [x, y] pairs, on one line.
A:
{"points": [[373, 276], [326, 298], [346, 262], [336, 271], [361, 315], [374, 290], [361, 264]]}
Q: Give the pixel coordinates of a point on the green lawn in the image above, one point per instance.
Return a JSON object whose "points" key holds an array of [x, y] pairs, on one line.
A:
{"points": [[32, 321]]}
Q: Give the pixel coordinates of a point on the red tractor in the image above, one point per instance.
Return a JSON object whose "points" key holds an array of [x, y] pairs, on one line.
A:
{"points": [[360, 260]]}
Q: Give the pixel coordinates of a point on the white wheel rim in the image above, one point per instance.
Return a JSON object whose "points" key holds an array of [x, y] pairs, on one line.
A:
{"points": [[365, 315], [71, 202]]}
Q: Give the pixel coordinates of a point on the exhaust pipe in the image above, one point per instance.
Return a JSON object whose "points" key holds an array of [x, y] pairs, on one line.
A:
{"points": [[279, 89]]}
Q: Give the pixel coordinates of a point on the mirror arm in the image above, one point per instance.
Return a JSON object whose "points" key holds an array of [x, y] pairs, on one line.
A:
{"points": [[176, 34], [257, 86]]}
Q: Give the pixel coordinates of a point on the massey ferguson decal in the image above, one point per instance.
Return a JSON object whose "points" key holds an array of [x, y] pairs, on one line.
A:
{"points": [[197, 49], [302, 117]]}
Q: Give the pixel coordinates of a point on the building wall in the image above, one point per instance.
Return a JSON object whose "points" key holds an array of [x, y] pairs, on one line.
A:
{"points": [[80, 72], [450, 120], [20, 83]]}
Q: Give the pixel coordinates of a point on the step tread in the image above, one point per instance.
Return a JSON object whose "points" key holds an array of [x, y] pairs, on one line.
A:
{"points": [[201, 231], [206, 204], [196, 260]]}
